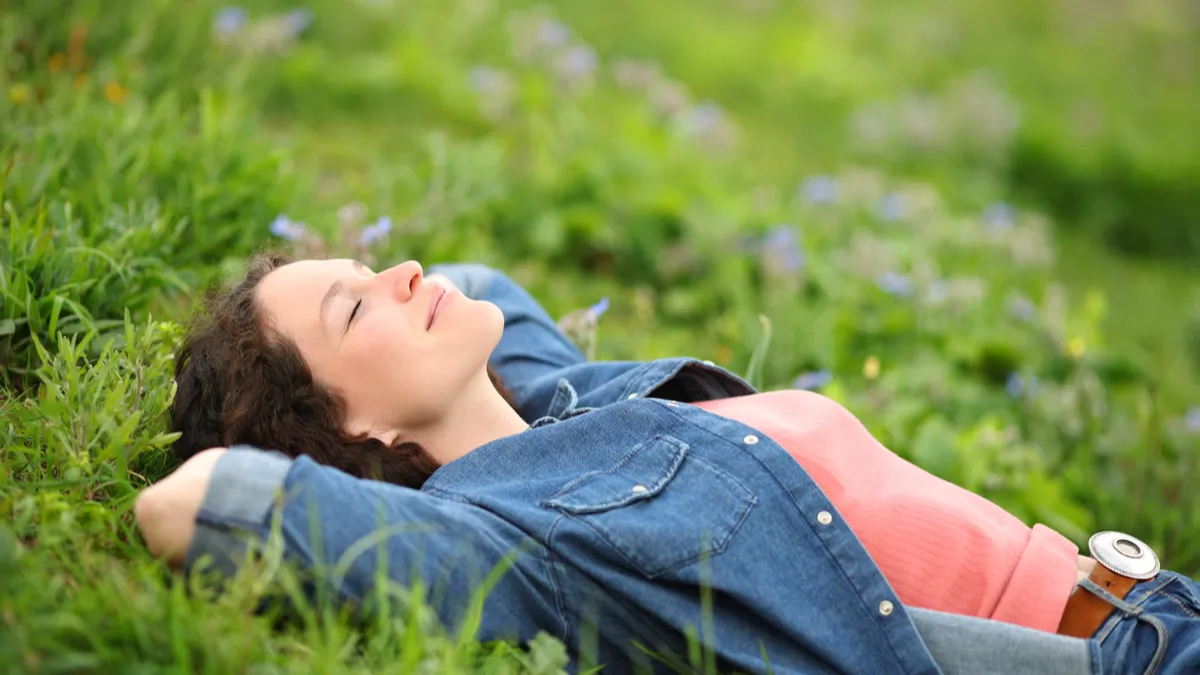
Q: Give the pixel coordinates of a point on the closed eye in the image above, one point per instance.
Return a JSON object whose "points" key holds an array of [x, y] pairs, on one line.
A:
{"points": [[353, 313]]}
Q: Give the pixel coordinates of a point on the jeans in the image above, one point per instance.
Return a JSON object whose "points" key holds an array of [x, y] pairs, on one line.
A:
{"points": [[1155, 629]]}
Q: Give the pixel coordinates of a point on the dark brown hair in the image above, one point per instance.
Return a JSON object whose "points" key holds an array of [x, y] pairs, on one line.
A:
{"points": [[238, 383]]}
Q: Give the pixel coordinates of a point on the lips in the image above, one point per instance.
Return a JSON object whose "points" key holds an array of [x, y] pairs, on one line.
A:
{"points": [[433, 306]]}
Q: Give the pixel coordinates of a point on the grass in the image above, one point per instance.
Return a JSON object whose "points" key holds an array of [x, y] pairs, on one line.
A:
{"points": [[1006, 349]]}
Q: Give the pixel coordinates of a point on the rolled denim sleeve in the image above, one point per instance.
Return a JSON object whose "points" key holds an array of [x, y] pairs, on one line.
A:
{"points": [[243, 489], [532, 345], [351, 533]]}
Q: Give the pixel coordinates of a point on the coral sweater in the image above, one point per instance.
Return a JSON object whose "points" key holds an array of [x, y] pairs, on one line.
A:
{"points": [[940, 546]]}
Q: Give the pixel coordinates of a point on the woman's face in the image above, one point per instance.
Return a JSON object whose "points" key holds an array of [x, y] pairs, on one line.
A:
{"points": [[399, 349]]}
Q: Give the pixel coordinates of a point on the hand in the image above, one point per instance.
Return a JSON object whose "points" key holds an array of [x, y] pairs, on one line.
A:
{"points": [[166, 511]]}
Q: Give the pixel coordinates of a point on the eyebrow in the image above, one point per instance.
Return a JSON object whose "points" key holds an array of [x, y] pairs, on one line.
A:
{"points": [[335, 289]]}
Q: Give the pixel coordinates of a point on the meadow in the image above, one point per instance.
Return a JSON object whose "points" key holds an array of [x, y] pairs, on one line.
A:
{"points": [[975, 226]]}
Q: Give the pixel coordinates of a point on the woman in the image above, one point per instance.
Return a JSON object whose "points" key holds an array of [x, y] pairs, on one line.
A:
{"points": [[816, 544]]}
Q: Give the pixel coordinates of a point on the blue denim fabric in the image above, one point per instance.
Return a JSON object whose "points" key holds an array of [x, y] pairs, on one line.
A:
{"points": [[634, 524], [1155, 629], [452, 546]]}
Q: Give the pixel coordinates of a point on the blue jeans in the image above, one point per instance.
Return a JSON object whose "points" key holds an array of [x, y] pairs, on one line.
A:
{"points": [[1155, 629]]}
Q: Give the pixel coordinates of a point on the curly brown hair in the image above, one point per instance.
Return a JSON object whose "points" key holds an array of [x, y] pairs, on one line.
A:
{"points": [[239, 383]]}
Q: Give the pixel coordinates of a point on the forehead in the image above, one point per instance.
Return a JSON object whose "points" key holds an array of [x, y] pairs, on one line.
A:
{"points": [[291, 295]]}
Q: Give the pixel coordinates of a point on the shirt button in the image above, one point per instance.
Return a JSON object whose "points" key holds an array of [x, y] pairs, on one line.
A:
{"points": [[639, 489], [751, 439], [824, 518], [886, 607], [633, 395]]}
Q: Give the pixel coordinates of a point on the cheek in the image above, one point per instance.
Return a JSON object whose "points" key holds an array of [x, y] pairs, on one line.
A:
{"points": [[383, 338]]}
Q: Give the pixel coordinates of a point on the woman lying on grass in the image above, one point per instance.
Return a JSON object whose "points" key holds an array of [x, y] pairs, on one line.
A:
{"points": [[632, 503]]}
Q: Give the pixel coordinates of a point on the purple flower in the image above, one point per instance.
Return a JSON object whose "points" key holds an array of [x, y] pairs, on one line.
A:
{"points": [[819, 189], [551, 33], [1192, 420], [1018, 385], [894, 283], [484, 79], [999, 216], [704, 118], [287, 228], [892, 207], [298, 20], [1022, 308], [229, 21], [813, 380], [597, 310], [373, 233], [781, 250], [576, 62]]}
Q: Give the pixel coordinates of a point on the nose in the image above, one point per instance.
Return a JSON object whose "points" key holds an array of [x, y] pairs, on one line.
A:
{"points": [[402, 280]]}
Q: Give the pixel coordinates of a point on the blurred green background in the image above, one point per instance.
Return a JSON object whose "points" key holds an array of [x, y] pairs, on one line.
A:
{"points": [[973, 224]]}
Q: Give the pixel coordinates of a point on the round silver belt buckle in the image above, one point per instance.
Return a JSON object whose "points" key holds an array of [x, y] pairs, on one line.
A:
{"points": [[1124, 554]]}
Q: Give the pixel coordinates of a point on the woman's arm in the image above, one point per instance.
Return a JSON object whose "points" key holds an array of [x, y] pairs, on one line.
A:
{"points": [[532, 345], [222, 503], [166, 511]]}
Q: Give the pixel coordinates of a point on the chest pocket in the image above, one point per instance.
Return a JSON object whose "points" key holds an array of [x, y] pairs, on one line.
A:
{"points": [[660, 507]]}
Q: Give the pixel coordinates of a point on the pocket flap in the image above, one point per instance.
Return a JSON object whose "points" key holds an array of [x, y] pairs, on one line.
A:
{"points": [[641, 474]]}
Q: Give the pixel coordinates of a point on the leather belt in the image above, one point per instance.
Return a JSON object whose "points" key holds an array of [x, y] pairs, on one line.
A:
{"points": [[1121, 561]]}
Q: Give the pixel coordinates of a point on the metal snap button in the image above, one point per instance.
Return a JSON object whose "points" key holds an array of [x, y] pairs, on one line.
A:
{"points": [[824, 518], [751, 439], [634, 395], [639, 489], [886, 608]]}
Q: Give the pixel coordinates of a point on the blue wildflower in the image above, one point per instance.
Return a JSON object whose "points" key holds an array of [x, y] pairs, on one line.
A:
{"points": [[892, 207], [813, 380], [1192, 419], [578, 61], [229, 21], [298, 20], [782, 251], [287, 228], [819, 189], [999, 216], [1021, 308], [894, 283], [597, 310], [373, 233], [551, 33], [705, 117], [484, 79], [1018, 385]]}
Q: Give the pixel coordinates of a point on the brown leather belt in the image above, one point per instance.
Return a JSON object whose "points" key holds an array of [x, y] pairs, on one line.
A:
{"points": [[1121, 562]]}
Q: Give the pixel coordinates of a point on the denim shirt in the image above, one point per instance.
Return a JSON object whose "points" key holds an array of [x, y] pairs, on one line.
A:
{"points": [[625, 522]]}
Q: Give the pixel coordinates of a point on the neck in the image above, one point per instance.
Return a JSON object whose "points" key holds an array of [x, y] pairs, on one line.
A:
{"points": [[478, 417]]}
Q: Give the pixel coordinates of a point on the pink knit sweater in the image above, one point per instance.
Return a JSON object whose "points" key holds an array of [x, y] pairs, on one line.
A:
{"points": [[940, 546]]}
